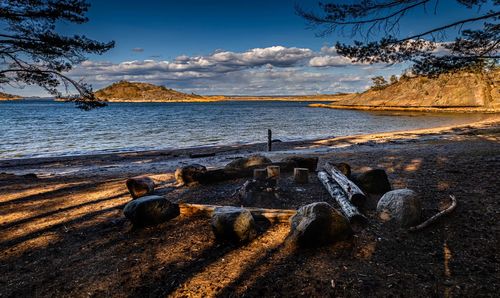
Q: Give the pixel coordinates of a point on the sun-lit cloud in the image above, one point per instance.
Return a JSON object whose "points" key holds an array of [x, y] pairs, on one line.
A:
{"points": [[272, 70]]}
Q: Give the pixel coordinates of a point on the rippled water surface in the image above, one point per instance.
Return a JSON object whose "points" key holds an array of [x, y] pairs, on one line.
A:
{"points": [[35, 128]]}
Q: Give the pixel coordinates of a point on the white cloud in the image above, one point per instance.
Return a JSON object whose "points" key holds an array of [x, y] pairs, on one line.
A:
{"points": [[271, 70]]}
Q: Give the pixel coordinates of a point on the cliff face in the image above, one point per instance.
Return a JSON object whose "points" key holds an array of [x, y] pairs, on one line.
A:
{"points": [[448, 90], [142, 92]]}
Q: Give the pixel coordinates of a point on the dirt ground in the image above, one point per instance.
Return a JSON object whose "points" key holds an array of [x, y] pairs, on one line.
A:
{"points": [[65, 235]]}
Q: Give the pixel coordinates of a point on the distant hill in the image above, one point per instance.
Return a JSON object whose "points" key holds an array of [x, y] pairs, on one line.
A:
{"points": [[124, 91], [463, 90], [6, 96]]}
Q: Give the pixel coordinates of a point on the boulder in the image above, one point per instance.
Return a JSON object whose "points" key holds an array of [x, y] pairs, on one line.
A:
{"points": [[244, 163], [318, 224], [233, 224], [140, 186], [189, 174], [150, 210], [257, 193], [400, 206], [301, 162], [373, 181]]}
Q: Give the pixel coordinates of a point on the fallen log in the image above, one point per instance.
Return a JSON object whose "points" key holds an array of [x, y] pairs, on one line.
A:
{"points": [[349, 210], [271, 215], [436, 216], [354, 193], [200, 155]]}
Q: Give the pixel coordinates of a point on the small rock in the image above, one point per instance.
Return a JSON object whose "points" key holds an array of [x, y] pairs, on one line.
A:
{"points": [[318, 224], [248, 162], [402, 206], [373, 181], [301, 162], [140, 186], [150, 210], [189, 174], [233, 224]]}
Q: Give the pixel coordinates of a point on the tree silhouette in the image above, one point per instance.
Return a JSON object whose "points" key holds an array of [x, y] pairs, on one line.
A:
{"points": [[429, 51], [33, 53], [379, 83]]}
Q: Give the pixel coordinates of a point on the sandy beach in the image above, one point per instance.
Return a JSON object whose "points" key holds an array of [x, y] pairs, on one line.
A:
{"points": [[62, 232]]}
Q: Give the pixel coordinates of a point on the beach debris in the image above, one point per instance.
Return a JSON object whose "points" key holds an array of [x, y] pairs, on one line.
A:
{"points": [[373, 181], [201, 155], [353, 192], [189, 174], [233, 224], [348, 209], [260, 174], [251, 161], [295, 161], [401, 206], [301, 175], [318, 224], [140, 186], [150, 210], [273, 172], [436, 216], [259, 192]]}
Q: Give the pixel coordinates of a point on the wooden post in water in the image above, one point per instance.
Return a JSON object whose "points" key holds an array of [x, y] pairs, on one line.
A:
{"points": [[269, 140]]}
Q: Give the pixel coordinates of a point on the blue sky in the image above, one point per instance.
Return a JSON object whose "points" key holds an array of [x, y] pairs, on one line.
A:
{"points": [[263, 46]]}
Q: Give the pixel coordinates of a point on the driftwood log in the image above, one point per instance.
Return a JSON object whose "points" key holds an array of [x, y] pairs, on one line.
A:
{"points": [[349, 210], [435, 217], [218, 175], [271, 215], [354, 193]]}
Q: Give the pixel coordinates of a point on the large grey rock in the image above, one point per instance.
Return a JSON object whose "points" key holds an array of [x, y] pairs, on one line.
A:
{"points": [[248, 162], [373, 181], [150, 210], [189, 174], [140, 186], [233, 224], [318, 224], [400, 206]]}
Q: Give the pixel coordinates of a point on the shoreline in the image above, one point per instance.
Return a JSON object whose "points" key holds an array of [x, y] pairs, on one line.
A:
{"points": [[166, 160], [408, 109], [225, 147]]}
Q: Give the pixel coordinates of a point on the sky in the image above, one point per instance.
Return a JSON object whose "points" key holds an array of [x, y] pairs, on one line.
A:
{"points": [[230, 47]]}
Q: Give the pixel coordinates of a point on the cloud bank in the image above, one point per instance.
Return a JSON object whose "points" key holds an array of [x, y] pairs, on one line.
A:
{"points": [[271, 71]]}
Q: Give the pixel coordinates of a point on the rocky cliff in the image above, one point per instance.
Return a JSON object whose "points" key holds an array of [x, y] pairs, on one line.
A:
{"points": [[457, 90]]}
